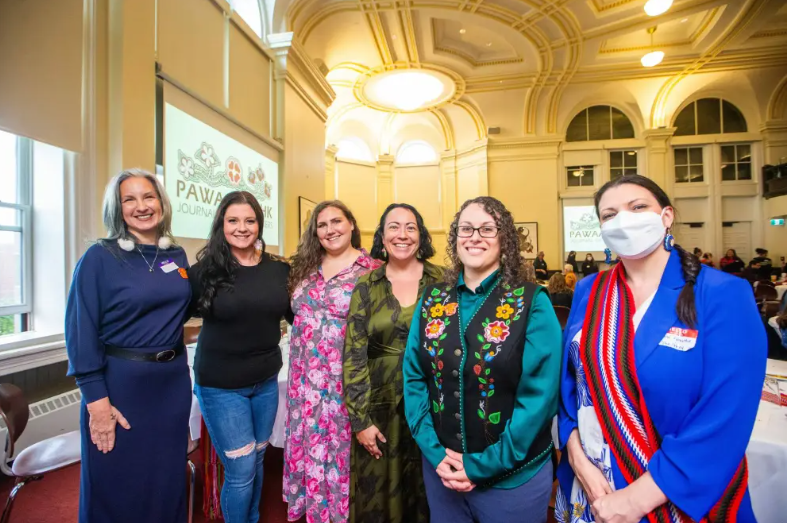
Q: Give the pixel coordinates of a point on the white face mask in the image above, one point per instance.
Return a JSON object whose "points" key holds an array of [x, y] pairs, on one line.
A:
{"points": [[634, 235]]}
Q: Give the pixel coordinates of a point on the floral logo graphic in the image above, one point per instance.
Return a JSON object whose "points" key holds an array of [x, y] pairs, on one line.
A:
{"points": [[434, 329], [205, 167], [186, 167], [496, 332], [450, 309], [233, 170], [208, 155], [504, 311]]}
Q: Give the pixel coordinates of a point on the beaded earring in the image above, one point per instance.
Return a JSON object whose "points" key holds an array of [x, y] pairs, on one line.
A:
{"points": [[668, 241]]}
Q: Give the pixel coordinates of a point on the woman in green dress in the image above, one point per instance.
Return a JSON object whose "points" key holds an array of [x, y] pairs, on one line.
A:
{"points": [[386, 466]]}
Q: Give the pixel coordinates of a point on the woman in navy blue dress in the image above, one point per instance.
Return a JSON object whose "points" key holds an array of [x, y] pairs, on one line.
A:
{"points": [[124, 336]]}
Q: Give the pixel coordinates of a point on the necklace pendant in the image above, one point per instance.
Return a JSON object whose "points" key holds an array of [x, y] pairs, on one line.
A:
{"points": [[150, 270]]}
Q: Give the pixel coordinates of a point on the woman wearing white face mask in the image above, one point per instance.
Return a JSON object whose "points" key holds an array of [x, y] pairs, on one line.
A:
{"points": [[660, 386]]}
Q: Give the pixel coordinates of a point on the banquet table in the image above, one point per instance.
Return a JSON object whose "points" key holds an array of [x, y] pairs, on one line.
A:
{"points": [[781, 290], [767, 456], [278, 435]]}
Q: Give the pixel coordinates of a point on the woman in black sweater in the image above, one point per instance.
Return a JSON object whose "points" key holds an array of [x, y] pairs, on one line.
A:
{"points": [[241, 293], [589, 266]]}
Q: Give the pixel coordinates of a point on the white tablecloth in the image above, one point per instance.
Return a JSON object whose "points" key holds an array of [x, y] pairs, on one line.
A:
{"points": [[781, 290], [278, 435], [767, 458]]}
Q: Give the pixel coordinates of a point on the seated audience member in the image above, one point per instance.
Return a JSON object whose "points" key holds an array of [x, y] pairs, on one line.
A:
{"points": [[706, 259], [569, 276], [731, 262], [589, 266], [561, 294], [540, 267], [697, 252], [761, 264]]}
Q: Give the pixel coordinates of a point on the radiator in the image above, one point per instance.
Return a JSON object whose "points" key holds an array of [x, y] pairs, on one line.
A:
{"points": [[49, 417]]}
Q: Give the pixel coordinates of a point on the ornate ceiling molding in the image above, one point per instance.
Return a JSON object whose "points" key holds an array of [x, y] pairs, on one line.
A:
{"points": [[750, 12], [692, 39], [776, 109], [467, 57], [446, 129]]}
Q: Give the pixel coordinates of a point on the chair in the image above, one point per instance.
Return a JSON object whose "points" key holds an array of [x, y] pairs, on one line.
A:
{"points": [[766, 293], [562, 314], [765, 282], [36, 460]]}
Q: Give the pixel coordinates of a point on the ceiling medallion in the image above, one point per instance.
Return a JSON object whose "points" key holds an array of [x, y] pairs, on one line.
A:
{"points": [[404, 89]]}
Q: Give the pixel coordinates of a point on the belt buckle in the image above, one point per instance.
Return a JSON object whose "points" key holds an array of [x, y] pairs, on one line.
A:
{"points": [[165, 356]]}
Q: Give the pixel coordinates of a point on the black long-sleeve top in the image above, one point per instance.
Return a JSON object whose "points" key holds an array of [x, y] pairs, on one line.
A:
{"points": [[238, 344]]}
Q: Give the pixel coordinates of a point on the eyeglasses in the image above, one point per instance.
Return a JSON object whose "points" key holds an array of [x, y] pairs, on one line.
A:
{"points": [[486, 231]]}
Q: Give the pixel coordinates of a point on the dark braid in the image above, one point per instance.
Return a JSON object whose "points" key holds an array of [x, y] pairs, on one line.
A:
{"points": [[686, 304], [691, 266]]}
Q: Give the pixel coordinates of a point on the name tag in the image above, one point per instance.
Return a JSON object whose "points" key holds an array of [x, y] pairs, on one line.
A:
{"points": [[168, 266], [680, 339]]}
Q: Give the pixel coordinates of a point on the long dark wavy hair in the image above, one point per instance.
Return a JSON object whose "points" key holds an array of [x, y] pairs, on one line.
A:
{"points": [[426, 249], [217, 263], [310, 251], [512, 267], [691, 266]]}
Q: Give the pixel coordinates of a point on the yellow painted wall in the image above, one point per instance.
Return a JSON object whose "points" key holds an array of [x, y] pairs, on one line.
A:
{"points": [[303, 164], [356, 188], [529, 189]]}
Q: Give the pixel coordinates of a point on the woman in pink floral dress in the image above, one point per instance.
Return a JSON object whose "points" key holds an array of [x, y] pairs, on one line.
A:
{"points": [[318, 432]]}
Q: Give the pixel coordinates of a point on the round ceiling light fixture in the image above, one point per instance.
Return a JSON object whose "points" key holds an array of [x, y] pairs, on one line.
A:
{"points": [[657, 7], [408, 90]]}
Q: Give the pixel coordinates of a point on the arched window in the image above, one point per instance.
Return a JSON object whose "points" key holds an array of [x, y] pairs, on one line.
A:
{"points": [[250, 12], [353, 148], [416, 151], [710, 116], [600, 122]]}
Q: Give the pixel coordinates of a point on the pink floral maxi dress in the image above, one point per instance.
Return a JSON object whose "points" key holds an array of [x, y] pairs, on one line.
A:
{"points": [[318, 434]]}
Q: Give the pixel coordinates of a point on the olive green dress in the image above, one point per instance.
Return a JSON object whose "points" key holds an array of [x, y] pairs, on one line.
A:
{"points": [[388, 490]]}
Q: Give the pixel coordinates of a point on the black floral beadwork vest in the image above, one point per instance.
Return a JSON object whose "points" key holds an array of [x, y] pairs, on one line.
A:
{"points": [[475, 373]]}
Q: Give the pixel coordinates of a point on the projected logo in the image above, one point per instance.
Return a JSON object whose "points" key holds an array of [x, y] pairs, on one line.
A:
{"points": [[204, 167], [201, 165], [582, 230]]}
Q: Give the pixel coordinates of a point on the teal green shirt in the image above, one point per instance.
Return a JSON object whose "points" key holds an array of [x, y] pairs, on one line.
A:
{"points": [[535, 405]]}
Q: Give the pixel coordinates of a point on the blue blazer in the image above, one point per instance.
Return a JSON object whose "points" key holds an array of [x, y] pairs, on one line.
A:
{"points": [[703, 401]]}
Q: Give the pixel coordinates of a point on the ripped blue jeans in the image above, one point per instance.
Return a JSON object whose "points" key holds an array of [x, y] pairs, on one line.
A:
{"points": [[240, 422]]}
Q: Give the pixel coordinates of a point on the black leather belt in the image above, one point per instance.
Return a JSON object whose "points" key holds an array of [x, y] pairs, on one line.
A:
{"points": [[136, 355]]}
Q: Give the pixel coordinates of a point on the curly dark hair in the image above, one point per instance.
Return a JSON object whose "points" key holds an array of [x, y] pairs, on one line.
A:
{"points": [[217, 264], [310, 251], [691, 266], [426, 249], [512, 267]]}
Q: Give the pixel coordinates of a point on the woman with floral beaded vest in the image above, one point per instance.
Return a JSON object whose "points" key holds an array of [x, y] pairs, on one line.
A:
{"points": [[481, 377]]}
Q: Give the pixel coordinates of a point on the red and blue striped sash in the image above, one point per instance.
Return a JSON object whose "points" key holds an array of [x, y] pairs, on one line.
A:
{"points": [[608, 356]]}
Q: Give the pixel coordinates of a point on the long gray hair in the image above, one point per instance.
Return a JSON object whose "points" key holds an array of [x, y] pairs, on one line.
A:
{"points": [[112, 211]]}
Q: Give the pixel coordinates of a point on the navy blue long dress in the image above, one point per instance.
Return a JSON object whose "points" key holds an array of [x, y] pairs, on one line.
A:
{"points": [[115, 300]]}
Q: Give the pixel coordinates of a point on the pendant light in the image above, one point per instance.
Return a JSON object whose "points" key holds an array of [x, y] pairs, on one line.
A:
{"points": [[652, 58]]}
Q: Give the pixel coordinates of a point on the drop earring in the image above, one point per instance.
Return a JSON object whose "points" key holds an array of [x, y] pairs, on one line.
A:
{"points": [[668, 241]]}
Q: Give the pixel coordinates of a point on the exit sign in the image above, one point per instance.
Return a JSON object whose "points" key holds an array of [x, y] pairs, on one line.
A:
{"points": [[777, 221]]}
